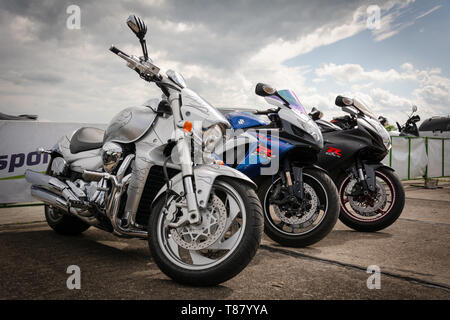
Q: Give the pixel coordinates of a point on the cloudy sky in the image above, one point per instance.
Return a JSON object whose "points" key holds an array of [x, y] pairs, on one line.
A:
{"points": [[223, 48]]}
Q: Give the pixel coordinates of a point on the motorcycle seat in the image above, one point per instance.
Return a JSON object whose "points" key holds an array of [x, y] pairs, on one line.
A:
{"points": [[86, 138]]}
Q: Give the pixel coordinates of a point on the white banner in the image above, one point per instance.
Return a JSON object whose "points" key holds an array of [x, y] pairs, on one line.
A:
{"points": [[435, 154], [438, 157], [19, 141]]}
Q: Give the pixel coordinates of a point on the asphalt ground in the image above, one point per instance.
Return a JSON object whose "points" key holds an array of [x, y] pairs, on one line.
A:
{"points": [[413, 256]]}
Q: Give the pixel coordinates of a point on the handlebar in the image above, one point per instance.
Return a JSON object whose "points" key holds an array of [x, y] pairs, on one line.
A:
{"points": [[266, 112], [146, 69], [115, 50]]}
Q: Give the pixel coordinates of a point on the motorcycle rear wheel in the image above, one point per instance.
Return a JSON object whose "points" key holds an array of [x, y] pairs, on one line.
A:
{"points": [[63, 223]]}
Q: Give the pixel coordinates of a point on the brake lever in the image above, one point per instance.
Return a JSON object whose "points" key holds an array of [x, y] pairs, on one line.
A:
{"points": [[146, 69]]}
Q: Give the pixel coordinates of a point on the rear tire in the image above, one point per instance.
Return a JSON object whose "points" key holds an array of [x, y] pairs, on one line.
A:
{"points": [[63, 223], [324, 226], [357, 222]]}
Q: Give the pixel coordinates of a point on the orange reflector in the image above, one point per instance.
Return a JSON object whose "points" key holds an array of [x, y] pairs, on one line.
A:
{"points": [[220, 162], [187, 126]]}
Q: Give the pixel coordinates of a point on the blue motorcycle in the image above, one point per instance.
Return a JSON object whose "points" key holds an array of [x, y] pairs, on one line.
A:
{"points": [[278, 149]]}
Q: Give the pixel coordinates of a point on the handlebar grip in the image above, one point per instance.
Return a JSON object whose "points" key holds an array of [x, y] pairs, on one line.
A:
{"points": [[113, 49], [266, 112]]}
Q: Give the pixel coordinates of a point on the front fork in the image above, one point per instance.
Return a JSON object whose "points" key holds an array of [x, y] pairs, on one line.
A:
{"points": [[365, 174], [295, 183], [187, 173], [184, 152]]}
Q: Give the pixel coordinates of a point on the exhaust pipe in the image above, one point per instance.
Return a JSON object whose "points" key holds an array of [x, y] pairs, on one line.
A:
{"points": [[48, 198], [54, 192], [58, 202], [52, 184]]}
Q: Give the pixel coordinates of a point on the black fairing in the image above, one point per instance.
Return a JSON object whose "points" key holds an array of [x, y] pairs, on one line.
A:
{"points": [[343, 148], [298, 137]]}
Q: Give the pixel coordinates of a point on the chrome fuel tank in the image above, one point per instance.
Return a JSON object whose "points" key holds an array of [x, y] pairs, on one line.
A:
{"points": [[130, 124]]}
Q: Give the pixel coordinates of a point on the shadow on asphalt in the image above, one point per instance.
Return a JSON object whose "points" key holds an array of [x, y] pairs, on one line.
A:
{"points": [[34, 265], [339, 237]]}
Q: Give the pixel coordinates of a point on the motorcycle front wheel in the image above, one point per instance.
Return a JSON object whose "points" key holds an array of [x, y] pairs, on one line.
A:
{"points": [[300, 226], [375, 210], [216, 249]]}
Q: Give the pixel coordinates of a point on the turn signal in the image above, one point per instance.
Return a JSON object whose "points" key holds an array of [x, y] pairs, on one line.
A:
{"points": [[187, 126]]}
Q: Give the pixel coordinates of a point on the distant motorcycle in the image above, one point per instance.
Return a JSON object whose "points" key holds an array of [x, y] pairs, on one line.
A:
{"points": [[371, 194], [410, 127]]}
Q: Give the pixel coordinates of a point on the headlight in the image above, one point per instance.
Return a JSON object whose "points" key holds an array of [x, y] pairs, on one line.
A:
{"points": [[374, 124], [211, 138], [307, 124]]}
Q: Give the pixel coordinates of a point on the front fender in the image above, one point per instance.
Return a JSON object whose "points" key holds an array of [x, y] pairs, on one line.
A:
{"points": [[316, 167], [204, 177]]}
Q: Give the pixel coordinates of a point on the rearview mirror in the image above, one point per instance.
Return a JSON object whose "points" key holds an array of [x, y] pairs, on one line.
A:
{"points": [[137, 26], [140, 29], [343, 101], [264, 90], [414, 108], [315, 114]]}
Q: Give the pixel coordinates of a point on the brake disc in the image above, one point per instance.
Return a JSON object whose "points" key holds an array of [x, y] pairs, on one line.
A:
{"points": [[211, 228], [363, 207], [308, 215]]}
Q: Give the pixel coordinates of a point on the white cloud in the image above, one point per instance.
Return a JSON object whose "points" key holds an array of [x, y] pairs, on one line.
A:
{"points": [[351, 73], [428, 12], [432, 93], [389, 22], [222, 51]]}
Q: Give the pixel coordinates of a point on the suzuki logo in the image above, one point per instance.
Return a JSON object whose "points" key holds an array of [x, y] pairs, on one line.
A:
{"points": [[334, 152]]}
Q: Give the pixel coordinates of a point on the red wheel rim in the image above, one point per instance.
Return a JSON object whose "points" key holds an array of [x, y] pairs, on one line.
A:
{"points": [[383, 211]]}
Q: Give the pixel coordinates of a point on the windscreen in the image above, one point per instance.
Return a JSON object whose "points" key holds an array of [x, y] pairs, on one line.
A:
{"points": [[293, 100], [361, 106]]}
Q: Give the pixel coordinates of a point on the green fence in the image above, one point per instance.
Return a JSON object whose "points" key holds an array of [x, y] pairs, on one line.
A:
{"points": [[420, 157]]}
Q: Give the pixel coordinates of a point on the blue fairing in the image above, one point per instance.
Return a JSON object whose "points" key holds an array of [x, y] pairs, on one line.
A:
{"points": [[258, 154], [244, 120]]}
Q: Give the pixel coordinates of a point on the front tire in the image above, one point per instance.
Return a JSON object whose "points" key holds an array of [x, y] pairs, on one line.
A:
{"points": [[292, 233], [184, 253], [389, 202]]}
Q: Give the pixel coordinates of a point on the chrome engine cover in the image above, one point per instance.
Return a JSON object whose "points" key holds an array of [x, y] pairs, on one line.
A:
{"points": [[59, 166]]}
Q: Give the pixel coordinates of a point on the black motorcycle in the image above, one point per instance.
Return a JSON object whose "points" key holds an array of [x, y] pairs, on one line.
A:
{"points": [[410, 127], [300, 201], [370, 193]]}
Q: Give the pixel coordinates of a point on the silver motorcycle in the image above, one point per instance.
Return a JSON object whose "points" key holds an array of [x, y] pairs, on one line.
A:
{"points": [[143, 177]]}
